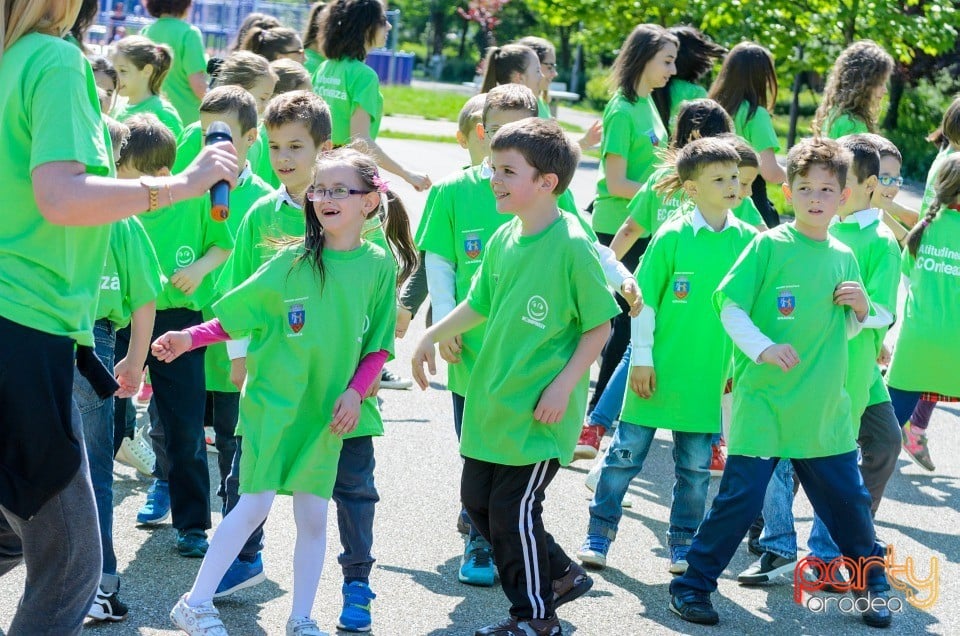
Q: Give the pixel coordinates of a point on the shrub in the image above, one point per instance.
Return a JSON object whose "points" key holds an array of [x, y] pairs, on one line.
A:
{"points": [[598, 91]]}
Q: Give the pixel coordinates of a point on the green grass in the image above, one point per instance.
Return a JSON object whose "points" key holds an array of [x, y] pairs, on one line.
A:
{"points": [[393, 134], [406, 100]]}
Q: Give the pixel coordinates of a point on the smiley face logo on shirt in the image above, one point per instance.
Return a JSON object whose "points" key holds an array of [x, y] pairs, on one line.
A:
{"points": [[537, 310], [185, 255]]}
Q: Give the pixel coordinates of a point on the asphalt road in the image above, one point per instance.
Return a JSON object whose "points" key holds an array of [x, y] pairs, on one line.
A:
{"points": [[418, 547]]}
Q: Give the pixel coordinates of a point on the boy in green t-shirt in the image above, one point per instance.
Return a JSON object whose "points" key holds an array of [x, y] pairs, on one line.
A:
{"points": [[189, 246], [542, 289], [876, 427], [790, 303], [680, 270]]}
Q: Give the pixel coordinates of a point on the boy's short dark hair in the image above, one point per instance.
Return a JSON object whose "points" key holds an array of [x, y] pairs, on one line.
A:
{"points": [[471, 114], [700, 153], [150, 145], [817, 151], [118, 132], [300, 106], [510, 97], [157, 8], [543, 145], [865, 156], [885, 147], [232, 100]]}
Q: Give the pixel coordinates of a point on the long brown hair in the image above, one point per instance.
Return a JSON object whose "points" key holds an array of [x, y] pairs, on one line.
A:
{"points": [[641, 46], [859, 70], [142, 51], [396, 222], [747, 75], [503, 61], [946, 189]]}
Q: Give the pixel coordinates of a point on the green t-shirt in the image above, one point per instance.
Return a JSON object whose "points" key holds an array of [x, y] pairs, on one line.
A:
{"points": [[49, 274], [748, 213], [259, 158], [928, 349], [269, 219], [691, 351], [928, 192], [250, 188], [189, 144], [154, 105], [306, 342], [348, 84], [757, 130], [458, 220], [844, 124], [189, 57], [131, 276], [181, 234], [681, 92], [634, 132], [540, 294], [313, 61], [543, 109], [878, 256], [648, 209], [785, 282]]}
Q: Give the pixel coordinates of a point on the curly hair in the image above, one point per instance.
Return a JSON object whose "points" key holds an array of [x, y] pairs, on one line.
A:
{"points": [[347, 27], [157, 8], [852, 85]]}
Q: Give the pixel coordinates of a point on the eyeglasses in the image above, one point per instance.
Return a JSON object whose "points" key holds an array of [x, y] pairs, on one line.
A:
{"points": [[319, 194], [890, 181]]}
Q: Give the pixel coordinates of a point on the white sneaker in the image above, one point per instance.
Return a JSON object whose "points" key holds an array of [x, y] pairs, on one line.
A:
{"points": [[210, 437], [138, 452], [303, 626], [593, 477], [203, 620], [390, 380]]}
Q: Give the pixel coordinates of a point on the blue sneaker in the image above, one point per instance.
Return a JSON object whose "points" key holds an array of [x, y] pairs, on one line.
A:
{"points": [[355, 616], [678, 558], [157, 507], [594, 550], [192, 543], [241, 575], [476, 565]]}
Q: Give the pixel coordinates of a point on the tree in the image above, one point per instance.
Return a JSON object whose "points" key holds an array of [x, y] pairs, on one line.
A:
{"points": [[485, 14]]}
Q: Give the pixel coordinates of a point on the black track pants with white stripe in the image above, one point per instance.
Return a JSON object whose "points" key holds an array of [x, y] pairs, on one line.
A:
{"points": [[505, 504]]}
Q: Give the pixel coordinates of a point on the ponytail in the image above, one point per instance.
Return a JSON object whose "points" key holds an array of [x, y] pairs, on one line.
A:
{"points": [[142, 51], [164, 57], [670, 183], [946, 187], [502, 62], [915, 236], [396, 227]]}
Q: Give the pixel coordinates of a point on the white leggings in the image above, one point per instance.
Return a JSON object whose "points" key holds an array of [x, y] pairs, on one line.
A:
{"points": [[310, 514]]}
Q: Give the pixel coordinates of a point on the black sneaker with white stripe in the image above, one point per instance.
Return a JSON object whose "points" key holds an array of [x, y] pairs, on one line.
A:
{"points": [[107, 607], [390, 380]]}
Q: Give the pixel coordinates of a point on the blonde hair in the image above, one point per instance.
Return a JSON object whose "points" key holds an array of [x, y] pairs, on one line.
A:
{"points": [[20, 17], [852, 83]]}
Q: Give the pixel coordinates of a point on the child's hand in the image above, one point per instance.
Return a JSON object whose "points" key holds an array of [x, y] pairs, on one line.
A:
{"points": [[631, 293], [188, 279], [424, 353], [643, 381], [171, 345], [884, 358], [783, 356], [420, 182], [128, 378], [346, 413], [450, 349], [238, 372], [552, 404], [850, 294], [592, 137], [404, 316]]}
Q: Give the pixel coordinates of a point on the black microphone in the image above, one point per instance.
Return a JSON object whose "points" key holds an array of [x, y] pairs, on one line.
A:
{"points": [[220, 191]]}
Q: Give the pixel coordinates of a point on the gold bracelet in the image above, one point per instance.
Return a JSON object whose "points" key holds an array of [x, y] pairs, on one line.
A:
{"points": [[153, 192]]}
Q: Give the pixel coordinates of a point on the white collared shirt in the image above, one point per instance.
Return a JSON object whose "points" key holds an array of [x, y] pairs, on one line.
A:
{"points": [[865, 218], [286, 198], [699, 222]]}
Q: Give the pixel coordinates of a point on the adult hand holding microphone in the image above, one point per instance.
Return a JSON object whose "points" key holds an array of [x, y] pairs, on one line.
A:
{"points": [[220, 192]]}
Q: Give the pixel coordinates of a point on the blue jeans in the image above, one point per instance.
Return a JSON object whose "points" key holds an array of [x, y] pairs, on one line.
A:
{"points": [[608, 407], [97, 417], [779, 535], [834, 487], [356, 495], [624, 461], [903, 403]]}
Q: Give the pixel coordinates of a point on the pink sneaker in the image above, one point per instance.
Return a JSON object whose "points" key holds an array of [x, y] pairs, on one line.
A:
{"points": [[915, 445]]}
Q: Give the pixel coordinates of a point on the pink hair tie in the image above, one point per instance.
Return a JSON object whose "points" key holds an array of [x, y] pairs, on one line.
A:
{"points": [[381, 184]]}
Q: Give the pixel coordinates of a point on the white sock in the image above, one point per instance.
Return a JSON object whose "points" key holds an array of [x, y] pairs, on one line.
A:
{"points": [[310, 513], [251, 510]]}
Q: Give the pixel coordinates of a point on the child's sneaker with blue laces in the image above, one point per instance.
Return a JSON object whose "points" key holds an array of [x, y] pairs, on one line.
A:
{"points": [[594, 550], [678, 558], [355, 616], [476, 566], [157, 507]]}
